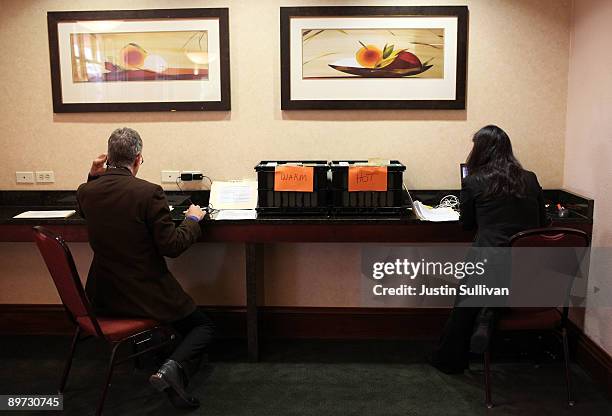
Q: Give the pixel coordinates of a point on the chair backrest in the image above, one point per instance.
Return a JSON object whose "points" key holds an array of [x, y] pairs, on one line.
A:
{"points": [[550, 237], [555, 237], [60, 263]]}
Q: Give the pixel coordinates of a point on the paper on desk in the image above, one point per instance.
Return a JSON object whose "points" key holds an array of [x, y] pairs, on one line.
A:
{"points": [[45, 214], [236, 214], [426, 213], [233, 195]]}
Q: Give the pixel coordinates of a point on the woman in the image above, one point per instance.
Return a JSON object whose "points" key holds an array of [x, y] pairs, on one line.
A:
{"points": [[498, 198]]}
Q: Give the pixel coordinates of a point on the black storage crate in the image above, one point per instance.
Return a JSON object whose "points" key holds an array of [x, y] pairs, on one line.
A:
{"points": [[288, 202], [391, 202]]}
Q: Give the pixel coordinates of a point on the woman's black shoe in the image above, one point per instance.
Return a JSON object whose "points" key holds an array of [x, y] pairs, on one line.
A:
{"points": [[479, 342]]}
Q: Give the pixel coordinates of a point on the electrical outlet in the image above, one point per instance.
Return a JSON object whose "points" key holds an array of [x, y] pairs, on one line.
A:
{"points": [[44, 176], [170, 176], [191, 175], [24, 177]]}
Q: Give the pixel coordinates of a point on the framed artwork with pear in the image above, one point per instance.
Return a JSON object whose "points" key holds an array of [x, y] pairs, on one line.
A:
{"points": [[369, 57], [140, 60]]}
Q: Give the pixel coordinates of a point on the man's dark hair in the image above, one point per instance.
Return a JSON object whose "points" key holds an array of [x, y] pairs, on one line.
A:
{"points": [[492, 162], [124, 145]]}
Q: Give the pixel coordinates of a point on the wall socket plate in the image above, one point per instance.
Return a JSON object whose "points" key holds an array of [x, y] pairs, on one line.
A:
{"points": [[24, 177], [44, 176], [191, 175], [170, 176]]}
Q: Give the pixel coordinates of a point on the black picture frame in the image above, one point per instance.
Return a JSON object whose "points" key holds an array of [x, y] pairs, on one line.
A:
{"points": [[287, 13], [224, 104]]}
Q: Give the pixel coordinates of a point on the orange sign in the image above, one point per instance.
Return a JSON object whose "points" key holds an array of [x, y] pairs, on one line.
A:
{"points": [[367, 178], [293, 178]]}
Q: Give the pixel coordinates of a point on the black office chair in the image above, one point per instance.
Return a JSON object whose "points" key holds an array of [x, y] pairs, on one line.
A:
{"points": [[540, 318]]}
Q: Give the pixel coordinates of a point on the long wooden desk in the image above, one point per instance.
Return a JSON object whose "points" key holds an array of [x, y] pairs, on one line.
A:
{"points": [[254, 234]]}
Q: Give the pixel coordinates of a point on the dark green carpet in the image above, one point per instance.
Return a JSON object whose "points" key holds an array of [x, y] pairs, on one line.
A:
{"points": [[302, 378]]}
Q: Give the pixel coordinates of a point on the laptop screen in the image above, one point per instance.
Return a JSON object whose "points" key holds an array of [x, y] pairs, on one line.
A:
{"points": [[464, 171]]}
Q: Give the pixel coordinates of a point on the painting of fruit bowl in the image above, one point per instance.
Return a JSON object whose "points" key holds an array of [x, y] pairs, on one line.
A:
{"points": [[373, 53], [139, 56], [139, 60], [374, 57]]}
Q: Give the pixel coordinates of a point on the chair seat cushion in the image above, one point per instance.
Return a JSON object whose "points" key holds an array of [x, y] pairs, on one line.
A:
{"points": [[534, 319], [116, 329]]}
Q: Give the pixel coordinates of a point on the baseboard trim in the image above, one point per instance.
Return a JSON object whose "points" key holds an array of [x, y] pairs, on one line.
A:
{"points": [[592, 358], [276, 322], [43, 319]]}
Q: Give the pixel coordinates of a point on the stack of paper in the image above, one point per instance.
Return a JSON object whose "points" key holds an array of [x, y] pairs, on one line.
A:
{"points": [[234, 200], [236, 214], [45, 214], [426, 213]]}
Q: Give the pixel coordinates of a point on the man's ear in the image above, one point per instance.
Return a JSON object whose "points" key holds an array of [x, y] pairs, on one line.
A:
{"points": [[136, 164]]}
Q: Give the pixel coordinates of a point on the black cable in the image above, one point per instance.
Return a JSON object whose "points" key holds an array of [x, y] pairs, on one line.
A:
{"points": [[182, 191], [209, 209]]}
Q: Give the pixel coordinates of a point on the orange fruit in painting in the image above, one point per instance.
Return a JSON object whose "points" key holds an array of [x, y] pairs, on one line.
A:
{"points": [[133, 55], [368, 56]]}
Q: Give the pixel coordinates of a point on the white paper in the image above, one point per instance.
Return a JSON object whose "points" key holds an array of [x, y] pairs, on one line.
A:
{"points": [[236, 214], [45, 214], [425, 213], [233, 195]]}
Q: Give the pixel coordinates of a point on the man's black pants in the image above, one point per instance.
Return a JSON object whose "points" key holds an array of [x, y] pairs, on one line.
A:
{"points": [[196, 331]]}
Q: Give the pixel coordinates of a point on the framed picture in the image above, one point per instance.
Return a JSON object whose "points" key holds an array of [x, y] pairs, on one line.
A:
{"points": [[140, 60], [373, 57]]}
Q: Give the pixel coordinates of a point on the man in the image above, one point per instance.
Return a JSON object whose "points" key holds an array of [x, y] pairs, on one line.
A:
{"points": [[130, 232]]}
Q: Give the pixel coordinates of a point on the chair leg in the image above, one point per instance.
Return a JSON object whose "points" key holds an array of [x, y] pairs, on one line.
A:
{"points": [[75, 339], [137, 359], [109, 373], [570, 399], [487, 376]]}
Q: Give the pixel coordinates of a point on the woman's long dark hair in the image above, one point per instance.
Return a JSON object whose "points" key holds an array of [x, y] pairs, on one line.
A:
{"points": [[492, 162]]}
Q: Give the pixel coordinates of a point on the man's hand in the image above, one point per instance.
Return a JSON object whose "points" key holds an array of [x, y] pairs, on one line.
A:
{"points": [[97, 166], [195, 211]]}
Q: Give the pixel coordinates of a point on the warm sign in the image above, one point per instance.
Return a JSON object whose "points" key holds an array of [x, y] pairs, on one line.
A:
{"points": [[367, 178], [293, 178]]}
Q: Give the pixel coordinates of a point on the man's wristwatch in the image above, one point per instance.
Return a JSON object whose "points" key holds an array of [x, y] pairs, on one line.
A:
{"points": [[193, 217]]}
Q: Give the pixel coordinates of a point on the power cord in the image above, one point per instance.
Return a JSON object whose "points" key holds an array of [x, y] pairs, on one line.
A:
{"points": [[209, 209], [178, 180], [449, 201]]}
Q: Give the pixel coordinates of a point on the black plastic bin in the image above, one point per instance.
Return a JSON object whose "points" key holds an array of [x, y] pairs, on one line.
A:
{"points": [[289, 202], [391, 202]]}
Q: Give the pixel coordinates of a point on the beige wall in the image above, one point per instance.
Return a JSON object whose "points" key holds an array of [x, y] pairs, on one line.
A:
{"points": [[588, 155], [517, 78], [518, 54]]}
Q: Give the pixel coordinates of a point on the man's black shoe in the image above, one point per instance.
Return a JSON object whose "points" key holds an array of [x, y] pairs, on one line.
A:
{"points": [[171, 378]]}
